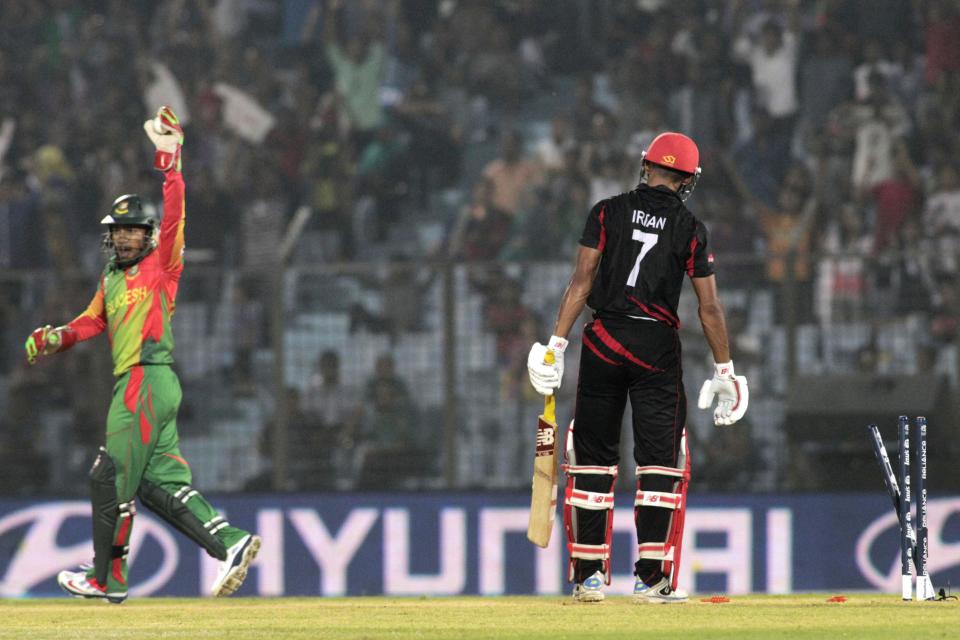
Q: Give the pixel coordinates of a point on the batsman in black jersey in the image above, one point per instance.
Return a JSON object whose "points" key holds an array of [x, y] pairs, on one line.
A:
{"points": [[635, 251]]}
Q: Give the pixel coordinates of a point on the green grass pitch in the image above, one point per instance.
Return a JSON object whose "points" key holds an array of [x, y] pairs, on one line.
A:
{"points": [[550, 618]]}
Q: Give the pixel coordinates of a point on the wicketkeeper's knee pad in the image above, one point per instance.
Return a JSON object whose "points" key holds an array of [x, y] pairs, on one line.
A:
{"points": [[667, 551], [107, 511], [172, 507], [589, 488]]}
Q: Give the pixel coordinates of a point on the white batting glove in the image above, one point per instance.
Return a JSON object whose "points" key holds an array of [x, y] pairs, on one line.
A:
{"points": [[732, 394], [544, 377]]}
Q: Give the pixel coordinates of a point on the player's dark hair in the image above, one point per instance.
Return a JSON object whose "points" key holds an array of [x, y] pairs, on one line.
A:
{"points": [[671, 174]]}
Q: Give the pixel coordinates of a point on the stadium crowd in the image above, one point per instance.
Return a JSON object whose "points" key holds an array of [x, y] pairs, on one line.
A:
{"points": [[424, 131]]}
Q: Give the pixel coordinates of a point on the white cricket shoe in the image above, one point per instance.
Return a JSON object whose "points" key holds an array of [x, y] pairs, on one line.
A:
{"points": [[233, 571], [78, 585], [658, 593], [591, 589]]}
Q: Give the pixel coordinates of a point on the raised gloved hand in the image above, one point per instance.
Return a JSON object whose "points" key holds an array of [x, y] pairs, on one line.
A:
{"points": [[544, 376], [42, 342], [166, 134], [731, 392]]}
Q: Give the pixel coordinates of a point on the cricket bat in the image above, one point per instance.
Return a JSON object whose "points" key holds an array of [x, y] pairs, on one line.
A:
{"points": [[543, 494]]}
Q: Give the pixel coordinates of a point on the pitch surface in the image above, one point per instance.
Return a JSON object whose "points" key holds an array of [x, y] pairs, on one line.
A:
{"points": [[550, 618]]}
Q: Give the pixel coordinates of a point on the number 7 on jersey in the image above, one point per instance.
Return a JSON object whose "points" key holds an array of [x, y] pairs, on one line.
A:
{"points": [[647, 241]]}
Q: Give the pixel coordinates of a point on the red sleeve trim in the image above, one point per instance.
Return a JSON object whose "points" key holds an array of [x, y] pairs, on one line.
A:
{"points": [[68, 338], [693, 250], [603, 229]]}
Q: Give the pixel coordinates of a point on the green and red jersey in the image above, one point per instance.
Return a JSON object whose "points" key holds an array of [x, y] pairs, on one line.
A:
{"points": [[135, 304]]}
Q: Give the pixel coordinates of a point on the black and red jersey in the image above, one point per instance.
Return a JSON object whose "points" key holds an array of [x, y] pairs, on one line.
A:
{"points": [[650, 241]]}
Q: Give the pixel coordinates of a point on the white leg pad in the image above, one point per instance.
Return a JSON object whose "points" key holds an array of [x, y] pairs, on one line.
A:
{"points": [[668, 551], [575, 499]]}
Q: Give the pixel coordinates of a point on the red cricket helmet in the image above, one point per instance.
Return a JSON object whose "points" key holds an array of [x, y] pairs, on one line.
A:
{"points": [[674, 151]]}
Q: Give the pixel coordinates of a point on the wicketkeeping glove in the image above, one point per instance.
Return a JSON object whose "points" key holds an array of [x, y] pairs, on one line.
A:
{"points": [[166, 134], [731, 392], [42, 341], [546, 377]]}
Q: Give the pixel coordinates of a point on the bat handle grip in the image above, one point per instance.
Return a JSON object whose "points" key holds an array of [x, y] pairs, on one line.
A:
{"points": [[550, 408], [550, 402]]}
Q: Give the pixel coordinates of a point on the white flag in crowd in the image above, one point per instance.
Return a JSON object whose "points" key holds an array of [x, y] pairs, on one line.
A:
{"points": [[243, 114], [165, 90]]}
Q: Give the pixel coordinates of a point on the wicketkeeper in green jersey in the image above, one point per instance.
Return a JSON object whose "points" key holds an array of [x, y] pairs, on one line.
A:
{"points": [[134, 302]]}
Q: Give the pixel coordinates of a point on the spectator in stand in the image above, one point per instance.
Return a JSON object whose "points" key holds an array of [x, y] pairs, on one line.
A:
{"points": [[788, 229], [554, 222], [18, 219], [941, 218], [843, 269], [512, 175], [358, 70], [382, 184], [648, 62], [389, 414], [942, 36], [701, 110], [436, 142], [503, 312], [208, 202], [263, 221], [551, 151], [327, 175], [513, 374], [763, 159], [875, 62], [772, 56], [732, 229], [402, 66], [878, 122], [649, 123], [601, 149], [402, 291], [246, 306], [909, 77], [828, 162], [331, 412], [908, 271], [584, 107], [897, 197], [610, 176], [496, 71], [945, 321], [825, 81], [483, 228]]}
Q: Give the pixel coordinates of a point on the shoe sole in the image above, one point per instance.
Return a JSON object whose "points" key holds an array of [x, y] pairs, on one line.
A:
{"points": [[589, 599], [82, 596], [654, 600], [238, 574], [111, 598]]}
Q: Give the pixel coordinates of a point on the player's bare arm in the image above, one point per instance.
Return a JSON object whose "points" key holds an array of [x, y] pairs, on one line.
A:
{"points": [[578, 289], [546, 377], [711, 317], [731, 390]]}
